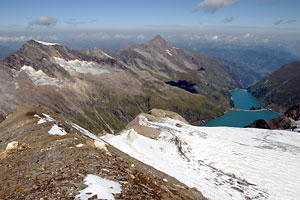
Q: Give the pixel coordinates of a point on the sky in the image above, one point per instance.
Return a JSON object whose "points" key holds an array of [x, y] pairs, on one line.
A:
{"points": [[193, 19]]}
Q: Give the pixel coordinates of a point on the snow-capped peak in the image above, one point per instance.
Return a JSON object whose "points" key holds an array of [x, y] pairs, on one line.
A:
{"points": [[46, 43]]}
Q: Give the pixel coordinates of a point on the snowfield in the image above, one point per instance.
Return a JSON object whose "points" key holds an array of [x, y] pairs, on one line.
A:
{"points": [[40, 78], [221, 162], [79, 66]]}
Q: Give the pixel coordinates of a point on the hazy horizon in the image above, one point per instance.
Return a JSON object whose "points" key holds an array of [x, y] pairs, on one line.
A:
{"points": [[211, 20]]}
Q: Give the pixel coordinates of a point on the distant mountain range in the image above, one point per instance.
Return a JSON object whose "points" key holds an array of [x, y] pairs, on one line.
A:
{"points": [[281, 87], [103, 92], [257, 60], [242, 74]]}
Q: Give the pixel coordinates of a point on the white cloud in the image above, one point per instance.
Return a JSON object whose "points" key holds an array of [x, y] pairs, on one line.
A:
{"points": [[124, 36], [14, 38], [43, 21], [198, 37], [231, 38], [248, 35], [140, 37], [94, 35], [213, 5], [212, 37], [228, 19], [215, 37], [192, 36], [265, 40]]}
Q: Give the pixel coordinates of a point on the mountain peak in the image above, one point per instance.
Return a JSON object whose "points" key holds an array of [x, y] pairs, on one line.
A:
{"points": [[44, 43], [158, 38], [158, 41]]}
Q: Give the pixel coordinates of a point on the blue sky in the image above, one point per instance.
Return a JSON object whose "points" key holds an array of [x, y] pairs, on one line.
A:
{"points": [[25, 17]]}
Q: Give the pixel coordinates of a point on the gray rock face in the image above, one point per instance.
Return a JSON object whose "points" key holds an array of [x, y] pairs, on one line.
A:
{"points": [[293, 112]]}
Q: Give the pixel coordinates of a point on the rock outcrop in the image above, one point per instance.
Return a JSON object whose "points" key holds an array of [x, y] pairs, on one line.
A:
{"points": [[287, 121]]}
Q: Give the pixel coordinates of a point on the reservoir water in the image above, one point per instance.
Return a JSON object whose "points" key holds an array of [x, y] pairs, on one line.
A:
{"points": [[244, 101]]}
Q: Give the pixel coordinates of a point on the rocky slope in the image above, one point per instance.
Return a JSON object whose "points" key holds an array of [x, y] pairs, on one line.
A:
{"points": [[103, 92], [242, 74], [46, 156], [280, 88]]}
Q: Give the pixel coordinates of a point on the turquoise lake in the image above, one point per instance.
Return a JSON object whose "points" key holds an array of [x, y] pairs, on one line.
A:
{"points": [[242, 100]]}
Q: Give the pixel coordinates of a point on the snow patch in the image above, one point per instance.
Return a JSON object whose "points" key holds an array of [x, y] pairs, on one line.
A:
{"points": [[221, 162], [48, 118], [41, 121], [89, 134], [44, 119], [79, 145], [46, 43], [107, 55], [102, 188], [56, 130], [40, 78], [79, 66], [168, 52]]}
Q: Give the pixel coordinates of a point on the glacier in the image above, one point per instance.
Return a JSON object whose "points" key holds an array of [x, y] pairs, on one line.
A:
{"points": [[79, 66], [41, 78], [221, 162]]}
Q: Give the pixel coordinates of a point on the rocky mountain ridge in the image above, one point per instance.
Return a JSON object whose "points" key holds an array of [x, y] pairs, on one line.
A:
{"points": [[46, 156], [280, 89], [103, 93]]}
